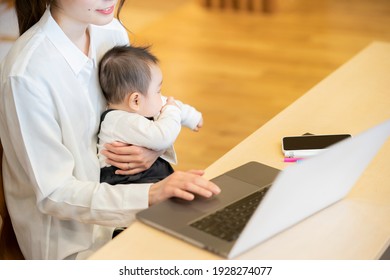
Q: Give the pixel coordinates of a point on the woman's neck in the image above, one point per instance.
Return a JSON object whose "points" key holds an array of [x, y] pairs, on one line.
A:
{"points": [[77, 32]]}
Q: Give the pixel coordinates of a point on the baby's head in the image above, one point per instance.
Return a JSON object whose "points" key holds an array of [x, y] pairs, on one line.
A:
{"points": [[131, 80]]}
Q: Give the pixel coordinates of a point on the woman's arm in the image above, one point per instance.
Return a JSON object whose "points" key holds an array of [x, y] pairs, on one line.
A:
{"points": [[56, 166], [128, 158], [183, 185]]}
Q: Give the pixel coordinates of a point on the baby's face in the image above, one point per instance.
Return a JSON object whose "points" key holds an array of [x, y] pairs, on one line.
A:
{"points": [[152, 100]]}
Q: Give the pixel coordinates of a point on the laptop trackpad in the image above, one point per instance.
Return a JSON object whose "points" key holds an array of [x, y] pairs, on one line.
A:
{"points": [[232, 190]]}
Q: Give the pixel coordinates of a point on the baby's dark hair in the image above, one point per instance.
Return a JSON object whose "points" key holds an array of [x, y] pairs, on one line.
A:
{"points": [[125, 69]]}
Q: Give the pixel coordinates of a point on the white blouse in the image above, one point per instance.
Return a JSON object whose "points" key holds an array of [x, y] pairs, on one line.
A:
{"points": [[50, 107]]}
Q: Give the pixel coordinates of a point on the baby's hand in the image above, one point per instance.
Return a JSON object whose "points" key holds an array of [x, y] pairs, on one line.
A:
{"points": [[171, 101], [199, 126]]}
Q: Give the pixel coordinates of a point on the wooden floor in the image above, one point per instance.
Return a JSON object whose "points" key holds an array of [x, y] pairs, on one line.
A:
{"points": [[240, 68]]}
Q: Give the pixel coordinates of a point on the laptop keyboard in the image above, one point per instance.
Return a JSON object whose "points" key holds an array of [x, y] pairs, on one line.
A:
{"points": [[228, 222]]}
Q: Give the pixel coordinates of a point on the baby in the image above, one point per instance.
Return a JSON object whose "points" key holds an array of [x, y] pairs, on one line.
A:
{"points": [[137, 114]]}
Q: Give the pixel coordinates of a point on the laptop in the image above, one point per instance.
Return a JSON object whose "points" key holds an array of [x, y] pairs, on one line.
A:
{"points": [[275, 200]]}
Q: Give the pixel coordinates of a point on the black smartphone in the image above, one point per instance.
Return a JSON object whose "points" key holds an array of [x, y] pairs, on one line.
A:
{"points": [[308, 145]]}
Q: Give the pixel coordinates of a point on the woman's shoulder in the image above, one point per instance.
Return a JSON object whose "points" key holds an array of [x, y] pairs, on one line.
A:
{"points": [[22, 51]]}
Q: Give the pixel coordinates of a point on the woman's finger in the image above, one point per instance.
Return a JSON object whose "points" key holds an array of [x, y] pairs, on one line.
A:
{"points": [[196, 172], [114, 159], [199, 190], [180, 193], [116, 148], [129, 172]]}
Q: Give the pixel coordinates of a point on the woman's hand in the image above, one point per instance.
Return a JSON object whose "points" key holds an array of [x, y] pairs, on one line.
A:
{"points": [[128, 158], [183, 185]]}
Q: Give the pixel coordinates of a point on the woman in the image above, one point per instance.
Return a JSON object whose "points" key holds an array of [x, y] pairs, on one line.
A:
{"points": [[49, 110]]}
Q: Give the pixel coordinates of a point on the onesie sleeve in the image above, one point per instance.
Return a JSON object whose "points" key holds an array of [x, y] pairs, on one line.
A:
{"points": [[190, 117], [158, 134]]}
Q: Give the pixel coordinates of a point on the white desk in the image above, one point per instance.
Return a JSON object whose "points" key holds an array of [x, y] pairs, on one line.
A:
{"points": [[352, 99]]}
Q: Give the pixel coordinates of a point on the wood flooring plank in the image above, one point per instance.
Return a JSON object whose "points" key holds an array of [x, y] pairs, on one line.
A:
{"points": [[241, 69]]}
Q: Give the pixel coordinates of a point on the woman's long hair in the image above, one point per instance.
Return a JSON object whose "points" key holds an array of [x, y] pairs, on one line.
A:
{"points": [[29, 12]]}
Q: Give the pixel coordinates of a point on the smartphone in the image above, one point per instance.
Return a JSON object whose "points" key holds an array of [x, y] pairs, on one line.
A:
{"points": [[309, 145]]}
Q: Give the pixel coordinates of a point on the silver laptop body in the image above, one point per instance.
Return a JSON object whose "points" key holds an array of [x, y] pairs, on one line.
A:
{"points": [[295, 193]]}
